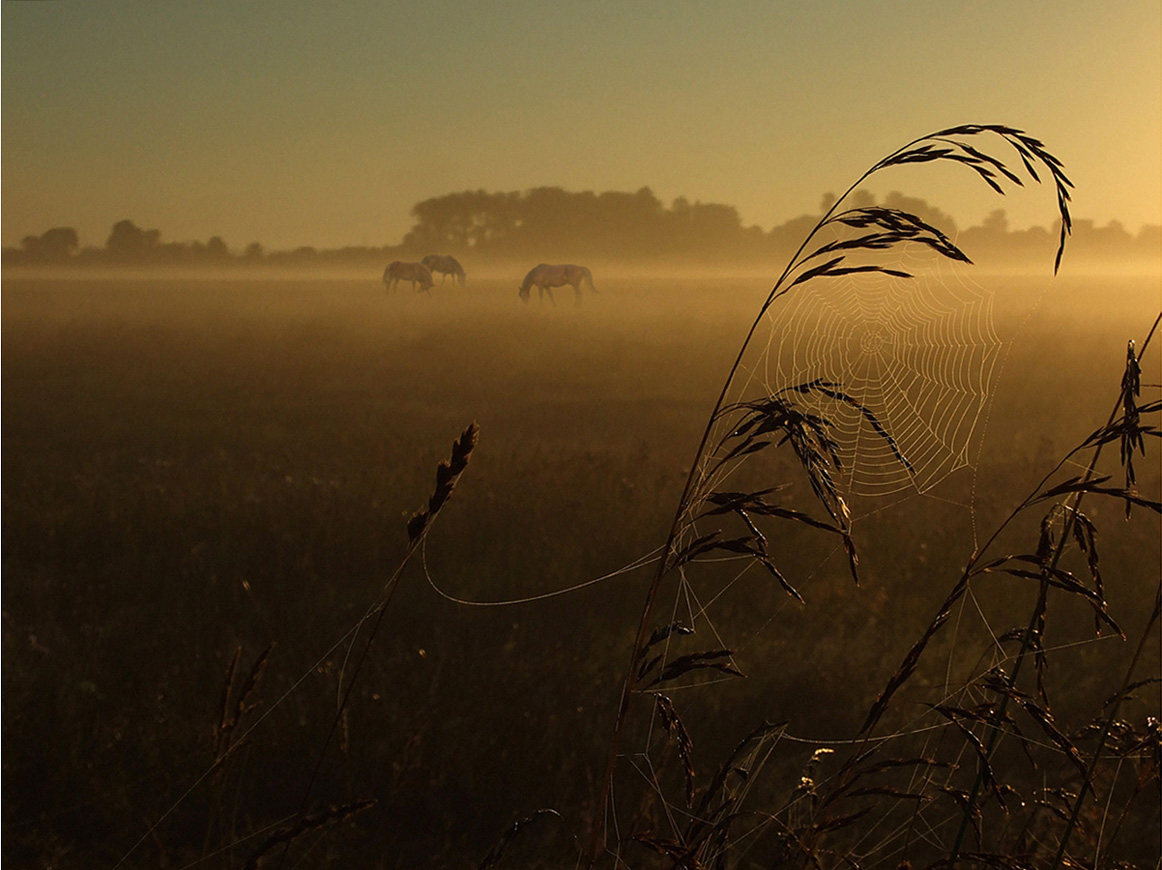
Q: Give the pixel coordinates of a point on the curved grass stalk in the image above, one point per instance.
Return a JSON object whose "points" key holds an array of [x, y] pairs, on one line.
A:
{"points": [[883, 229]]}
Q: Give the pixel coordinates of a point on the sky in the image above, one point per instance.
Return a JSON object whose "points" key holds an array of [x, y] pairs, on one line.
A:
{"points": [[318, 123]]}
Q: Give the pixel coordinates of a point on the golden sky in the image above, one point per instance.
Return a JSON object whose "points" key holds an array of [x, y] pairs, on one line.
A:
{"points": [[298, 123]]}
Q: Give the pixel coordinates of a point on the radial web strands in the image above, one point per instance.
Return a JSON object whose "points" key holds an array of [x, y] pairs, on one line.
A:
{"points": [[918, 353]]}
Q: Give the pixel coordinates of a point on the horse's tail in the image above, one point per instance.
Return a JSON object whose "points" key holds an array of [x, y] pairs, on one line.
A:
{"points": [[588, 276]]}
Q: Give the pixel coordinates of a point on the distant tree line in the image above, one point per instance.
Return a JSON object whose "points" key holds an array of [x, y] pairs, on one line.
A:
{"points": [[613, 224], [131, 245], [550, 223]]}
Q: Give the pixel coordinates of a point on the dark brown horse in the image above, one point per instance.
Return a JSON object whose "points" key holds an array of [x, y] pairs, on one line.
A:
{"points": [[545, 277], [417, 273], [446, 265]]}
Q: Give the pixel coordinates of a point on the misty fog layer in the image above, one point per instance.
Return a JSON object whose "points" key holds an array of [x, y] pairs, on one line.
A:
{"points": [[634, 231]]}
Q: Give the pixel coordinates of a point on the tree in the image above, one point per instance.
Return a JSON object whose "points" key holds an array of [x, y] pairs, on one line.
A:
{"points": [[997, 223], [53, 245], [127, 241], [216, 249]]}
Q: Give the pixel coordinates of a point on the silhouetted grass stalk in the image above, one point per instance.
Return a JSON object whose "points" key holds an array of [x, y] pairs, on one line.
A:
{"points": [[447, 474], [1035, 619], [1120, 696], [889, 228]]}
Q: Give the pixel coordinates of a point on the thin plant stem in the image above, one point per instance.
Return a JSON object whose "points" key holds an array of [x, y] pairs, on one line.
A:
{"points": [[389, 590]]}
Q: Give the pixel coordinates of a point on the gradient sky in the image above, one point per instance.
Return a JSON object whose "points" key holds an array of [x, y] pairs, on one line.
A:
{"points": [[321, 123]]}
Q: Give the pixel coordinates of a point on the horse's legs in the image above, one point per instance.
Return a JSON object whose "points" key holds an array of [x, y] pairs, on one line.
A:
{"points": [[549, 290], [577, 293]]}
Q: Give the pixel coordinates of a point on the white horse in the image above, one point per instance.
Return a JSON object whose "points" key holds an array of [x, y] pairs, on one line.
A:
{"points": [[545, 277], [446, 265], [417, 273]]}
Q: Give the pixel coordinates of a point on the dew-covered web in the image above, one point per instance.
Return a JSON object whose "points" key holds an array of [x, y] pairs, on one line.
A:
{"points": [[917, 354]]}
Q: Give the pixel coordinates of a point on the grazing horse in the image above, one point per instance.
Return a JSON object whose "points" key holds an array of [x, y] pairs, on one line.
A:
{"points": [[545, 278], [417, 273], [446, 265]]}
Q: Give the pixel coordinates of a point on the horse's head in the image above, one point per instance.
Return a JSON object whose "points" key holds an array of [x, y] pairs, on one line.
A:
{"points": [[523, 292]]}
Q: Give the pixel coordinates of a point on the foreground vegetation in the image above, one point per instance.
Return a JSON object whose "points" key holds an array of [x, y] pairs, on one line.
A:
{"points": [[191, 467], [209, 487]]}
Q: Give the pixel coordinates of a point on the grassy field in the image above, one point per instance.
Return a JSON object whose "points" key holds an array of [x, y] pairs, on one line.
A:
{"points": [[193, 466]]}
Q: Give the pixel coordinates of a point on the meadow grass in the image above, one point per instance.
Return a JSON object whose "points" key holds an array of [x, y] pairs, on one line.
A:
{"points": [[194, 467]]}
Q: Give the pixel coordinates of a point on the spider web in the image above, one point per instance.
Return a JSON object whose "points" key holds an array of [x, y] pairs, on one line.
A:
{"points": [[919, 354]]}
